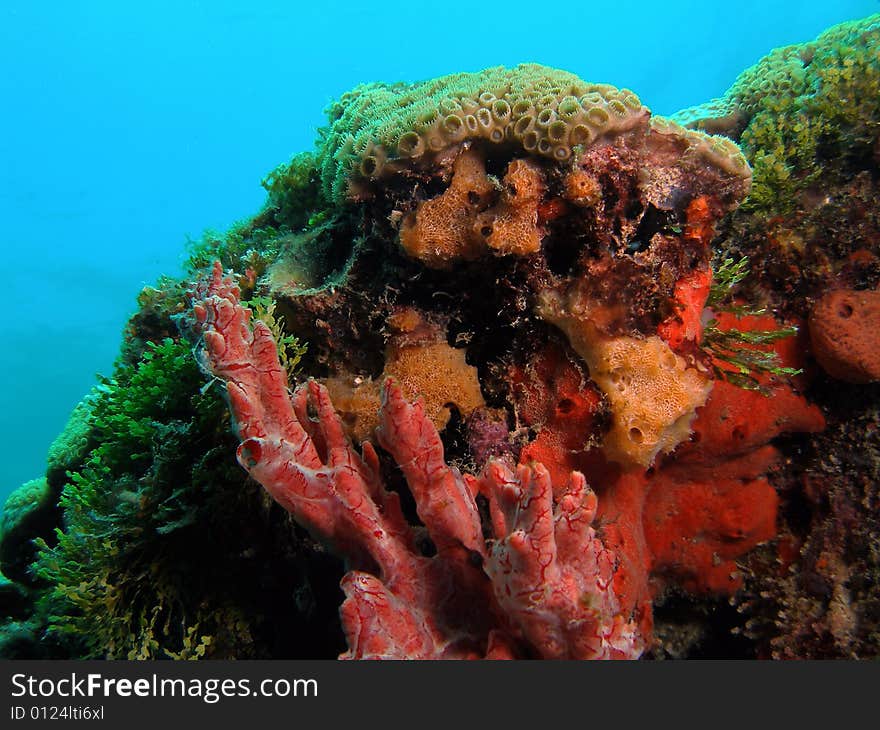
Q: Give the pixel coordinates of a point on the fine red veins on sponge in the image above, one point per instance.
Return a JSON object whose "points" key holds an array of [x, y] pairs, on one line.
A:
{"points": [[469, 600]]}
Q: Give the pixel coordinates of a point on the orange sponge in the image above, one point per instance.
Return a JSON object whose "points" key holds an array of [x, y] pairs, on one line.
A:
{"points": [[441, 231], [845, 333], [511, 227]]}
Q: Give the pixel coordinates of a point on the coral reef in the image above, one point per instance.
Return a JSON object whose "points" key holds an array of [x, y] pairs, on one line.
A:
{"points": [[515, 369], [30, 511], [685, 522], [549, 574], [807, 117], [688, 522], [148, 561], [111, 591], [376, 129]]}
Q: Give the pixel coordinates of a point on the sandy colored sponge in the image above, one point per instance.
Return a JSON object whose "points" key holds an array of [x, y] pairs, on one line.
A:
{"points": [[653, 392], [377, 128]]}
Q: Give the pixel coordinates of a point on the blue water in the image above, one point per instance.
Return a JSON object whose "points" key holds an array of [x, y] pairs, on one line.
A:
{"points": [[124, 130]]}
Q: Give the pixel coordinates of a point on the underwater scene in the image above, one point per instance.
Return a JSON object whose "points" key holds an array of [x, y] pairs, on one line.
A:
{"points": [[504, 340]]}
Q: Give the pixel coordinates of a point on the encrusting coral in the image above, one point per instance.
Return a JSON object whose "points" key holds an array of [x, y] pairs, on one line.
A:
{"points": [[378, 129], [799, 106], [573, 380]]}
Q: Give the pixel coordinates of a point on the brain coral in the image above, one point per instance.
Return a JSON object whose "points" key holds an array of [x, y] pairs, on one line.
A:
{"points": [[377, 129]]}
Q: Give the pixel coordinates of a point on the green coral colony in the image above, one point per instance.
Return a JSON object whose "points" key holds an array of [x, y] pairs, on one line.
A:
{"points": [[798, 107], [541, 110], [116, 554]]}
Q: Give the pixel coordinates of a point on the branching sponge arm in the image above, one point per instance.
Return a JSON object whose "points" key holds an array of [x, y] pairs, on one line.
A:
{"points": [[543, 588]]}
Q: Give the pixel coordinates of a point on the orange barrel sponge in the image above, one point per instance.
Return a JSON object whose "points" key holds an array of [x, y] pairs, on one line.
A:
{"points": [[845, 333]]}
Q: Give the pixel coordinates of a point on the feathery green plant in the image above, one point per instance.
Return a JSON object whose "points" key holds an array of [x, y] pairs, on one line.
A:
{"points": [[747, 352]]}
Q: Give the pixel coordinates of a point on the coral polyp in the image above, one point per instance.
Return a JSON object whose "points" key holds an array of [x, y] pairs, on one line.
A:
{"points": [[377, 130]]}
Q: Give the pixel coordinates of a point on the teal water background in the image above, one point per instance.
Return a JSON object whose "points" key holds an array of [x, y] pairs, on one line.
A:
{"points": [[126, 128]]}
